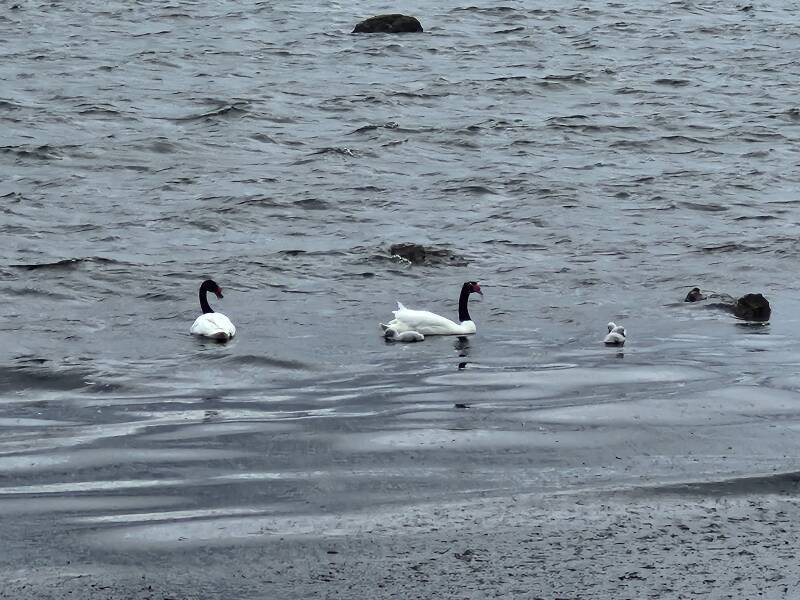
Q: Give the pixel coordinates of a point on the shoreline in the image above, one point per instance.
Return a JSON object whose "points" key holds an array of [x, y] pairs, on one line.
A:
{"points": [[662, 543]]}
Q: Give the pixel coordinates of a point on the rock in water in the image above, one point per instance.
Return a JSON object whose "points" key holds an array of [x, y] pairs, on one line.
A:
{"points": [[752, 307], [417, 254], [413, 253], [389, 24]]}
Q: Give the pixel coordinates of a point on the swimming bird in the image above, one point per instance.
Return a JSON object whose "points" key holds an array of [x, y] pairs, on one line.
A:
{"points": [[212, 324], [616, 335], [694, 295], [427, 323], [392, 335]]}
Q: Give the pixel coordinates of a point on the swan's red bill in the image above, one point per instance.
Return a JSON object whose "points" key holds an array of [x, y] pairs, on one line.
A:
{"points": [[477, 289], [218, 292]]}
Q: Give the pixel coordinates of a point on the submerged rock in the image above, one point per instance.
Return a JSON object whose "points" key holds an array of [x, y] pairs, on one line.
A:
{"points": [[389, 24], [413, 253], [417, 254]]}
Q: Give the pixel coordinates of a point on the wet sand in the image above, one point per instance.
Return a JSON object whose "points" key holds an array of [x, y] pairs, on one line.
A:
{"points": [[679, 542]]}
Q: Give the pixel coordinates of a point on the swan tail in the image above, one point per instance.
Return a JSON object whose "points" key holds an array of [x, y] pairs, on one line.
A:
{"points": [[384, 327], [400, 306]]}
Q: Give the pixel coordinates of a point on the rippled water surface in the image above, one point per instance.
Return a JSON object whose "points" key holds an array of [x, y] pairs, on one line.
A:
{"points": [[585, 162]]}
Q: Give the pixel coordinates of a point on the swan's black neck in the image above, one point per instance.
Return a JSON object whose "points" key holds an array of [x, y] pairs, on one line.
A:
{"points": [[204, 301], [463, 313]]}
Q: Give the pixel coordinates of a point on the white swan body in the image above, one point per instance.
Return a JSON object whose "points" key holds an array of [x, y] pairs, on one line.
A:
{"points": [[426, 323], [616, 335], [392, 335], [213, 325]]}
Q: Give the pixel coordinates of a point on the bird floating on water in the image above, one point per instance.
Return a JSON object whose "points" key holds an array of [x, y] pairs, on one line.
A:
{"points": [[424, 322], [695, 295], [616, 335], [392, 335], [212, 324]]}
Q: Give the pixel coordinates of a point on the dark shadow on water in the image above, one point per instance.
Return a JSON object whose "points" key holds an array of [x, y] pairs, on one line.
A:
{"points": [[266, 361], [754, 327], [766, 484], [42, 376], [462, 345], [207, 345]]}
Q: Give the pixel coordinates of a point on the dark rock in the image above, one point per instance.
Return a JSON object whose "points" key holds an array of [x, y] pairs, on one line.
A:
{"points": [[413, 253], [389, 24], [752, 307], [417, 254]]}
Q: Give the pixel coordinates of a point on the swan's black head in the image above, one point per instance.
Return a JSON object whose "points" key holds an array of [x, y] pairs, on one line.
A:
{"points": [[209, 285], [472, 287]]}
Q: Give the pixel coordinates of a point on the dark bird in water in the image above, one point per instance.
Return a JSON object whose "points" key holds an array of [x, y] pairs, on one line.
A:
{"points": [[752, 307], [694, 295]]}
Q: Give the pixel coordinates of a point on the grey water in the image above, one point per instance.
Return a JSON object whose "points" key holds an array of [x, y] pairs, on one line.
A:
{"points": [[586, 162]]}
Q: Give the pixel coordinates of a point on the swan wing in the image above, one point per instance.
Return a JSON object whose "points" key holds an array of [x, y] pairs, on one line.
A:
{"points": [[213, 325], [395, 324]]}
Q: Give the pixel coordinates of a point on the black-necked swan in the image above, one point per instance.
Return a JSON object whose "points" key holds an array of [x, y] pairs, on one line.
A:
{"points": [[427, 323], [212, 324], [616, 335]]}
